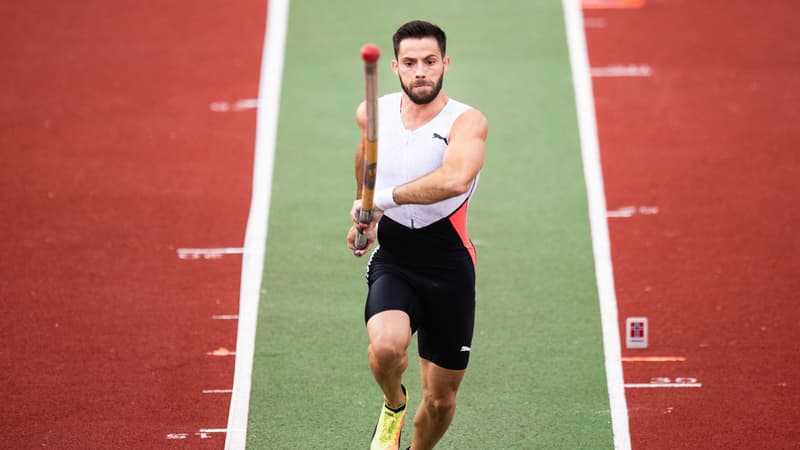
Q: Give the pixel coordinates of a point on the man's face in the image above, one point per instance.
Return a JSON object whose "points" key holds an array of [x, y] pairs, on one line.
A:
{"points": [[420, 67]]}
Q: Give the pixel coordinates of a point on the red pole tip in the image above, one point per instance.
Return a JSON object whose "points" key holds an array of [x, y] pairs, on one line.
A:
{"points": [[370, 53]]}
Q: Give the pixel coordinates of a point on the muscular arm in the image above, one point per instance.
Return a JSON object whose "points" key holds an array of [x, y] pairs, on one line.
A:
{"points": [[462, 161]]}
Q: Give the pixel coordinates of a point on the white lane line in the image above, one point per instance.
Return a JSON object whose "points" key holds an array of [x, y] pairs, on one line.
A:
{"points": [[590, 150], [209, 253], [217, 391], [630, 70], [256, 235]]}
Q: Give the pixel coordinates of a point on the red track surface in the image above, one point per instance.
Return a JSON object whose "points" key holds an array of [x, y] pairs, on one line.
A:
{"points": [[710, 140], [111, 160]]}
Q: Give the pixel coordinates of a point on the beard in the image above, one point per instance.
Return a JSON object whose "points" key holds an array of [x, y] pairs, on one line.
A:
{"points": [[422, 99]]}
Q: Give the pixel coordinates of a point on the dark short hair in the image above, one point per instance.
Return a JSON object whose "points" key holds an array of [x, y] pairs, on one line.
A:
{"points": [[419, 29]]}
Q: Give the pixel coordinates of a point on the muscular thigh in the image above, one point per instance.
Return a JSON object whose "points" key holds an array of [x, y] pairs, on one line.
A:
{"points": [[445, 335], [391, 288], [439, 300]]}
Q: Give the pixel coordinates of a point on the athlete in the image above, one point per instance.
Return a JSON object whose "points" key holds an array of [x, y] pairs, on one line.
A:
{"points": [[421, 276]]}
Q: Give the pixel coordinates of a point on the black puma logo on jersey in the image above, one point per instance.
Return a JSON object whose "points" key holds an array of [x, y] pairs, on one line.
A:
{"points": [[437, 136]]}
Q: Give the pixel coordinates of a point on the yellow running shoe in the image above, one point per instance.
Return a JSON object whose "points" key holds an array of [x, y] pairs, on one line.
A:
{"points": [[387, 431]]}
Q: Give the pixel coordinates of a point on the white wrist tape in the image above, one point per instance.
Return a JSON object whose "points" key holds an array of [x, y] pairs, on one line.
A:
{"points": [[384, 199]]}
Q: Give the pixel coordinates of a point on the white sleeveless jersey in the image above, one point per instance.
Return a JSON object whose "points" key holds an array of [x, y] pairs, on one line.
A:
{"points": [[405, 155]]}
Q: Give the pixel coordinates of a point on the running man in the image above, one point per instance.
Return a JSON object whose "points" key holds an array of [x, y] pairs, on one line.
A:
{"points": [[421, 275]]}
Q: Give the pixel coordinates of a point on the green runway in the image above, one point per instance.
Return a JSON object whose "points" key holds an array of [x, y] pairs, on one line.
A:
{"points": [[536, 378]]}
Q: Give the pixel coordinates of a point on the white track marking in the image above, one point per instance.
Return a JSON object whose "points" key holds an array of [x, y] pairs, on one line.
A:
{"points": [[210, 253], [225, 317], [219, 106], [247, 103], [629, 211], [219, 430], [217, 391], [625, 212], [218, 353], [238, 105], [663, 385], [630, 70], [667, 382], [203, 433], [590, 149], [256, 235]]}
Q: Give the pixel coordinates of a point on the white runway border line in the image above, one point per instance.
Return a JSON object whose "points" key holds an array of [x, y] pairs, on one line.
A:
{"points": [[590, 150], [256, 235]]}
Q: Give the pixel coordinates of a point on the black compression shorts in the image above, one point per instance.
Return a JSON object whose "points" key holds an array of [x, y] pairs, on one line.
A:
{"points": [[439, 299]]}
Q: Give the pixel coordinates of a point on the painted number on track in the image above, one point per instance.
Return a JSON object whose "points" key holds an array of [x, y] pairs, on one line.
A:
{"points": [[185, 436], [677, 380], [667, 382]]}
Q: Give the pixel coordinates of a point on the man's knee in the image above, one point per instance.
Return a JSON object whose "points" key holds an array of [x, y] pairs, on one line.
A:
{"points": [[440, 405], [387, 352]]}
